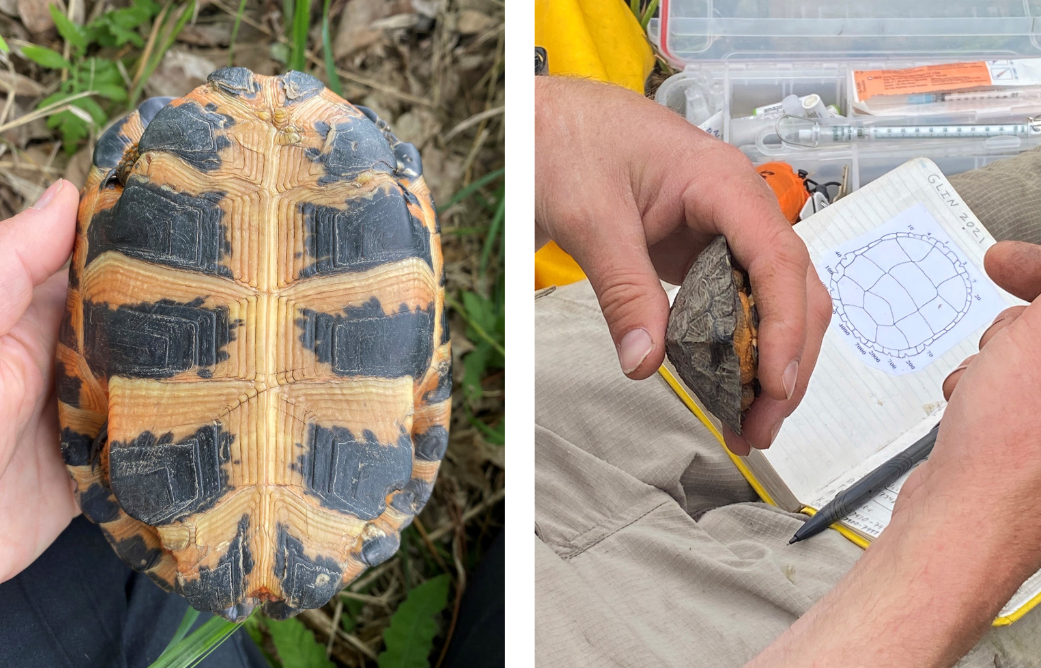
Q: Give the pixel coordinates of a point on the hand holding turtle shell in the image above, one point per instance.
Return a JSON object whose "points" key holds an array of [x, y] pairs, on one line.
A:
{"points": [[36, 501], [634, 192]]}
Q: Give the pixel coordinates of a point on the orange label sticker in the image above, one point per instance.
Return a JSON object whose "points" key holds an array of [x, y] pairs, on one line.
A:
{"points": [[952, 76]]}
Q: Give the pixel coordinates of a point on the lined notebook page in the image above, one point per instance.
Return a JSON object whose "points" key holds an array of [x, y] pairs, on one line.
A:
{"points": [[903, 259]]}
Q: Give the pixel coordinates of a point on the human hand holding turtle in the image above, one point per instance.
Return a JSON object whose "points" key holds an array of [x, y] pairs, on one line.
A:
{"points": [[36, 501], [634, 193]]}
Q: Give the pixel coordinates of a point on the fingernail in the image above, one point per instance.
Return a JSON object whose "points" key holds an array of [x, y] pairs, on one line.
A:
{"points": [[48, 194], [789, 378], [636, 345], [777, 430]]}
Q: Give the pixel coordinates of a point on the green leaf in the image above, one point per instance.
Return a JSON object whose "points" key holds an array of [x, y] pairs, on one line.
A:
{"points": [[111, 92], [296, 645], [410, 636], [70, 32], [45, 57], [3, 46], [90, 105], [197, 646]]}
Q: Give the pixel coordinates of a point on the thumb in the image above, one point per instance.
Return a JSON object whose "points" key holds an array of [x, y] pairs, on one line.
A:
{"points": [[616, 260], [34, 245]]}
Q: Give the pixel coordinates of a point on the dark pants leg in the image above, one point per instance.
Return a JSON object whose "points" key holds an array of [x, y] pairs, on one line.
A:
{"points": [[79, 605]]}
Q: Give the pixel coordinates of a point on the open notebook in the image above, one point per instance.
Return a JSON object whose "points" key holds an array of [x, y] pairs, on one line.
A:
{"points": [[903, 261]]}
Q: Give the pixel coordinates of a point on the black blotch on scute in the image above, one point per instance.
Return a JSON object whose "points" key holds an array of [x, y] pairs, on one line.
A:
{"points": [[367, 233], [155, 340], [98, 505], [375, 551], [367, 342], [158, 481], [75, 447], [279, 610], [431, 444], [74, 276], [409, 164], [299, 86], [445, 334], [235, 81], [68, 386], [135, 552], [413, 497], [306, 583], [353, 475], [111, 146], [189, 132], [66, 333], [221, 588], [150, 107], [322, 128], [159, 225], [357, 146], [444, 385]]}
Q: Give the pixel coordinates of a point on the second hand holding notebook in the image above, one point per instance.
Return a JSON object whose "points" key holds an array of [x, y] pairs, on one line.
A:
{"points": [[903, 261]]}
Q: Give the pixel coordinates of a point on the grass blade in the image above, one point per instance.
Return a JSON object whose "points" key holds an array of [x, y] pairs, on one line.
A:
{"points": [[190, 615], [157, 56], [235, 32], [301, 21], [493, 228], [648, 14], [470, 189], [478, 330], [197, 646], [327, 52]]}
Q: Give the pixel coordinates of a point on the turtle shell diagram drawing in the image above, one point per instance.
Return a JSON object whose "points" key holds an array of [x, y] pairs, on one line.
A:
{"points": [[254, 371]]}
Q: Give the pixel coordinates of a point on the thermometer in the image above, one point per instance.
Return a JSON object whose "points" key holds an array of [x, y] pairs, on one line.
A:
{"points": [[808, 133]]}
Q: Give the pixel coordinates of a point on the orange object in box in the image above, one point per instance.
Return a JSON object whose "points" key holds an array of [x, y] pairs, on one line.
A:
{"points": [[789, 187]]}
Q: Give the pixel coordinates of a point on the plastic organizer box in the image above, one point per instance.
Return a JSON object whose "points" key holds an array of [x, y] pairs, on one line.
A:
{"points": [[739, 55]]}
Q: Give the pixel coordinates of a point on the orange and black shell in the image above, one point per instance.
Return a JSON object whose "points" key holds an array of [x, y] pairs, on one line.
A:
{"points": [[254, 371]]}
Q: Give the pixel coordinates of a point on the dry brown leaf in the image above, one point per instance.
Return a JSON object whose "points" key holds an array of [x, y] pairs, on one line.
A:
{"points": [[356, 25], [35, 16], [22, 85], [180, 72], [78, 167], [470, 22], [206, 34]]}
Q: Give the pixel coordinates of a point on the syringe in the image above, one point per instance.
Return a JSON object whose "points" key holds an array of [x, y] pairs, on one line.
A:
{"points": [[796, 131]]}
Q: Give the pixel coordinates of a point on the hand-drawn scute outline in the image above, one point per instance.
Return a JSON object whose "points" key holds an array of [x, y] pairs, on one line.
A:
{"points": [[840, 271]]}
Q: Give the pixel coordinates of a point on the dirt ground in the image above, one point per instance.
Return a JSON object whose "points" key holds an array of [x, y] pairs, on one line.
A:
{"points": [[434, 70]]}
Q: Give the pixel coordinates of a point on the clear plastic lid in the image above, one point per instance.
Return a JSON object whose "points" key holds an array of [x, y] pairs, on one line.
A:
{"points": [[689, 31]]}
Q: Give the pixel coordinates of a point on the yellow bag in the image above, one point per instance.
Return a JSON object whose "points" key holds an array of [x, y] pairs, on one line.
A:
{"points": [[594, 39]]}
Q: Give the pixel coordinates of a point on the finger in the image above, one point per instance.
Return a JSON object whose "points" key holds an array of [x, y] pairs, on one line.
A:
{"points": [[766, 415], [734, 442], [951, 381], [1016, 267], [743, 208], [33, 245], [614, 257], [1004, 319]]}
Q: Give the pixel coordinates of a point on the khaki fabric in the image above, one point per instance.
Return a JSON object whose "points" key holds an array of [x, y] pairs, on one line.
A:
{"points": [[651, 549]]}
